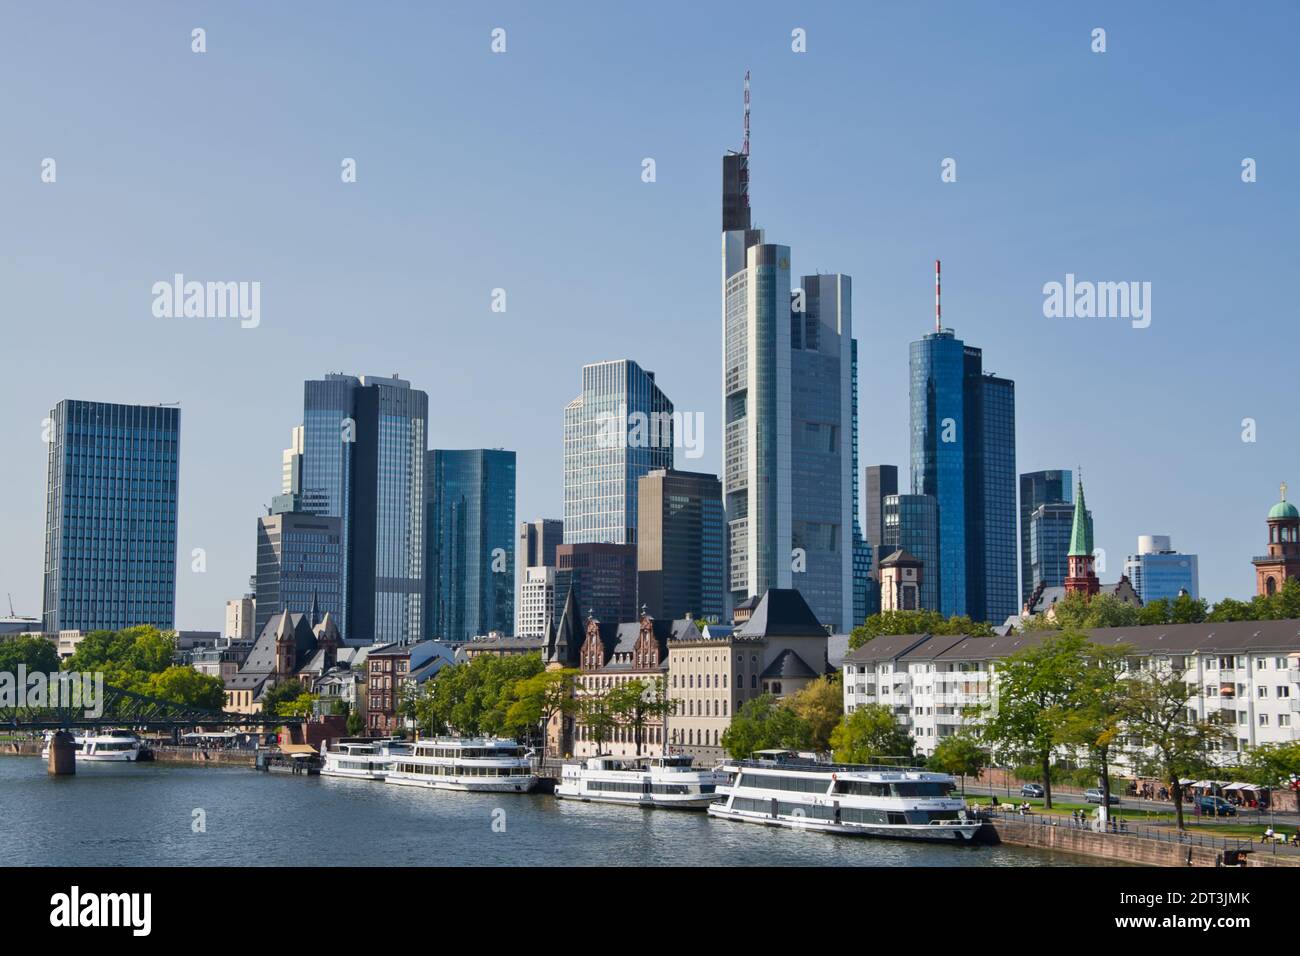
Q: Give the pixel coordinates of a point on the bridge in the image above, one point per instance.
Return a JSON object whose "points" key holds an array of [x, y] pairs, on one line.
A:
{"points": [[127, 709]]}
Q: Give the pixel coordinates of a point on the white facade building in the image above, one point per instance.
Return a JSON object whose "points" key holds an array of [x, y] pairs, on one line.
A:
{"points": [[1246, 673]]}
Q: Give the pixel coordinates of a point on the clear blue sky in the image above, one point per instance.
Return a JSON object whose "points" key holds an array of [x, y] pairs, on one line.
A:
{"points": [[522, 171]]}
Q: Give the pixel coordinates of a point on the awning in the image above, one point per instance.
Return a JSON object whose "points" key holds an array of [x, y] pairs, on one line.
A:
{"points": [[292, 749]]}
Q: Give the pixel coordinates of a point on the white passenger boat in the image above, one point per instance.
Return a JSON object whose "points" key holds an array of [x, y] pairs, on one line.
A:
{"points": [[654, 781], [466, 763], [109, 746], [782, 789], [362, 759]]}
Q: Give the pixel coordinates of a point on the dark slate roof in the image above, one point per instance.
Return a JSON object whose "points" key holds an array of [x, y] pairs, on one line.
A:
{"points": [[782, 613], [261, 659], [787, 666], [1236, 637], [748, 604], [566, 647], [901, 556]]}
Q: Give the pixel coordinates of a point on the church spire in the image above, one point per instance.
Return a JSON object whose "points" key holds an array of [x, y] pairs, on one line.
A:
{"points": [[1080, 577]]}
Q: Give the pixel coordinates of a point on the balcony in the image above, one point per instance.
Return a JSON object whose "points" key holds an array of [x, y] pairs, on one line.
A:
{"points": [[1293, 675]]}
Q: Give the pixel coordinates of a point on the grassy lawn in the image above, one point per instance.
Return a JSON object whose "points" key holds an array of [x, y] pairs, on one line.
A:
{"points": [[1066, 807]]}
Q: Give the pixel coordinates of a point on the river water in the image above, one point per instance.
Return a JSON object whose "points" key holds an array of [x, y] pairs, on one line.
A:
{"points": [[145, 815]]}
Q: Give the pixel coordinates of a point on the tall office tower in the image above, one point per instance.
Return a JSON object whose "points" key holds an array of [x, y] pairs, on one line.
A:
{"points": [[992, 575], [299, 566], [938, 421], [1158, 571], [963, 453], [1048, 537], [617, 430], [882, 481], [110, 516], [680, 545], [535, 610], [364, 441], [865, 595], [787, 369], [240, 613], [602, 578], [471, 543], [537, 542], [535, 549], [1039, 488], [291, 464], [911, 523]]}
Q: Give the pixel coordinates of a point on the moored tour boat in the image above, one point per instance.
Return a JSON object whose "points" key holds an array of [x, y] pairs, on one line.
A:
{"points": [[491, 764], [362, 759], [781, 789], [108, 746], [653, 781]]}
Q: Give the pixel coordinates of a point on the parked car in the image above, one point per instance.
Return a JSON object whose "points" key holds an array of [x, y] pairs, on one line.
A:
{"points": [[1215, 806], [1032, 790], [1093, 795]]}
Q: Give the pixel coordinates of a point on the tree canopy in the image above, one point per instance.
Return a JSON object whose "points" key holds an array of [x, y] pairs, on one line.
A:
{"points": [[916, 622], [868, 733], [762, 723]]}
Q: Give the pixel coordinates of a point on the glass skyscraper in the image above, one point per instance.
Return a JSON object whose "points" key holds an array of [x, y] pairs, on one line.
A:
{"points": [[680, 545], [789, 422], [363, 447], [1039, 488], [1048, 534], [471, 544], [1158, 572], [938, 424], [299, 566], [964, 453], [911, 522], [110, 516], [618, 429]]}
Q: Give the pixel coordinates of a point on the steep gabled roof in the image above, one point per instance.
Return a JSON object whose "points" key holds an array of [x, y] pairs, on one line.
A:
{"points": [[787, 666], [782, 613]]}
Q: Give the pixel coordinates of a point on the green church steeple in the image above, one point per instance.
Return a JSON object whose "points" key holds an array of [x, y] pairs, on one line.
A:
{"points": [[1081, 532]]}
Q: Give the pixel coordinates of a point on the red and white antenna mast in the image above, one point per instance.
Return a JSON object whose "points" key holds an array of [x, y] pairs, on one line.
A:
{"points": [[938, 315], [744, 150]]}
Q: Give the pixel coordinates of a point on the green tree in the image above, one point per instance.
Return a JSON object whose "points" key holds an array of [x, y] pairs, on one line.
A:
{"points": [[762, 723], [868, 733], [820, 704], [356, 724], [916, 622], [185, 685], [1076, 612], [1154, 612], [538, 699], [473, 697], [959, 755], [1032, 687], [1188, 610], [35, 653], [1271, 765], [1232, 610], [301, 706], [636, 702], [596, 712], [1093, 717], [1164, 734], [280, 696]]}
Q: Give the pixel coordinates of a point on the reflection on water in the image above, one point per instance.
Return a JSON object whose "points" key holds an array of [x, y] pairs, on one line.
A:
{"points": [[141, 815]]}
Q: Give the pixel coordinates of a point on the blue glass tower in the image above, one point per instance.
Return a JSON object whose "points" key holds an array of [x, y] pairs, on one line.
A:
{"points": [[911, 522], [1038, 488], [110, 516], [991, 573], [471, 543], [938, 421]]}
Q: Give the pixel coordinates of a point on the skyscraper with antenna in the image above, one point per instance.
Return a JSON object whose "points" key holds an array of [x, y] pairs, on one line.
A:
{"points": [[788, 473]]}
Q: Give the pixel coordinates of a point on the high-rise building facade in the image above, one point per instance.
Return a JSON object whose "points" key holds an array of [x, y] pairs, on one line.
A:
{"points": [[680, 545], [536, 607], [938, 424], [788, 367], [110, 516], [1039, 488], [1159, 572], [617, 430], [881, 482], [1048, 537], [964, 454], [602, 578], [471, 542], [535, 548], [299, 566], [239, 619], [363, 445], [911, 523]]}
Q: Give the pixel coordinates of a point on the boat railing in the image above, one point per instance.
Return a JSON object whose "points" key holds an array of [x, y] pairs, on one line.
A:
{"points": [[823, 767]]}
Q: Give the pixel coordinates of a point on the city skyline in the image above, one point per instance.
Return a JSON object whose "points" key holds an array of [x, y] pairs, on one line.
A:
{"points": [[1113, 224]]}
